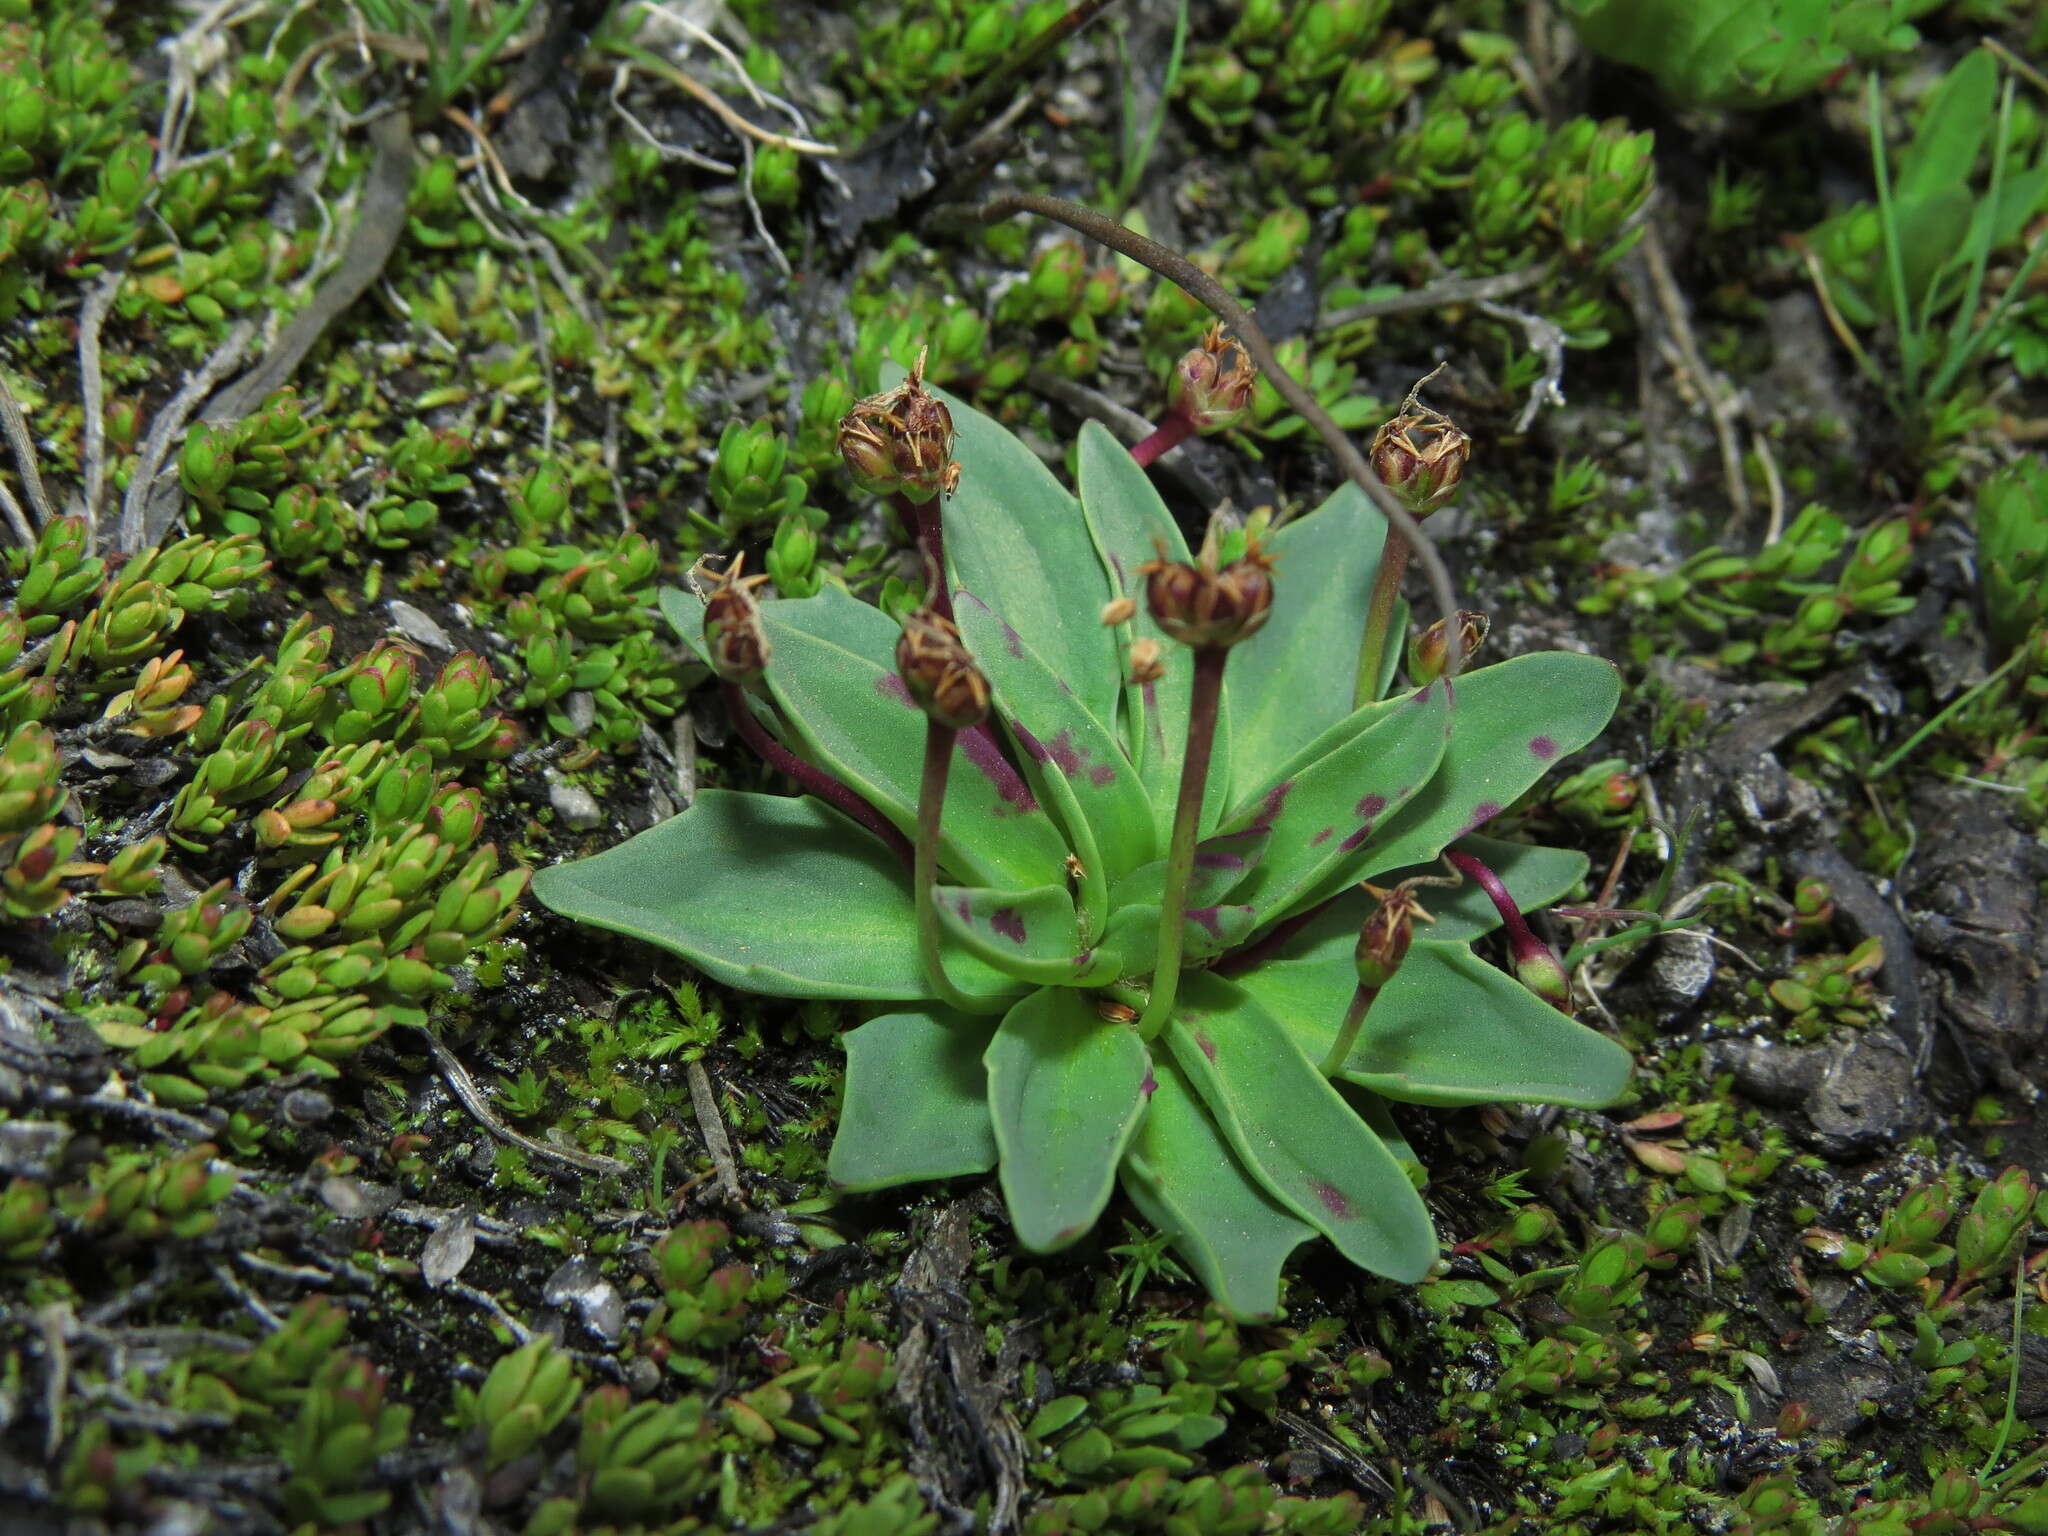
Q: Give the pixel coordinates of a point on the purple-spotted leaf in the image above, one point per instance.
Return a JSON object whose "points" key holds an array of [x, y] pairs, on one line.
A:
{"points": [[1511, 723], [1015, 536], [916, 1101], [1129, 523], [1294, 678], [1065, 1092], [1220, 867], [1216, 930], [1182, 1176], [1295, 1134], [1324, 821], [1074, 760], [1030, 935], [1449, 1029], [834, 676], [777, 895]]}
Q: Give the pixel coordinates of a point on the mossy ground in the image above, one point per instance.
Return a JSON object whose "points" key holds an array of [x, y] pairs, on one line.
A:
{"points": [[1772, 1289]]}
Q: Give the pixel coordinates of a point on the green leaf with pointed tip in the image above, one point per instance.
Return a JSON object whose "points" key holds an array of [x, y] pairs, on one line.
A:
{"points": [[1182, 1176], [1326, 819], [1065, 1091], [1031, 935], [1080, 766], [1128, 521], [1511, 722], [834, 675], [916, 1101], [1221, 866], [1015, 537], [1454, 1030], [1294, 678], [781, 896], [1449, 1029], [1294, 1132]]}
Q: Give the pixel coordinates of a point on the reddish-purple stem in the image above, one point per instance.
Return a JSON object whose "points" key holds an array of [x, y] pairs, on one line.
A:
{"points": [[810, 777], [1170, 433], [1522, 938], [927, 518]]}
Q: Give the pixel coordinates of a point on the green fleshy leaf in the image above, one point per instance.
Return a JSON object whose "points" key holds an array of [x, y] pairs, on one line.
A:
{"points": [[916, 1101], [1294, 1132], [1128, 521], [1510, 724], [1216, 930], [834, 674], [1031, 935], [1294, 678], [1396, 655], [1182, 1176], [1221, 865], [781, 896], [1065, 1091], [1079, 765], [1326, 819], [1449, 1029], [1015, 537]]}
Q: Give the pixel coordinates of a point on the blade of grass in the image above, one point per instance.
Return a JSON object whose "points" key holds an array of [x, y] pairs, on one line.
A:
{"points": [[1138, 150], [1888, 221]]}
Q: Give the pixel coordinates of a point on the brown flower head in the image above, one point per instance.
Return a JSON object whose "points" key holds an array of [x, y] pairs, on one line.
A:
{"points": [[1212, 384], [901, 442], [1420, 456], [733, 634], [1429, 651], [942, 678], [1199, 605], [1384, 936]]}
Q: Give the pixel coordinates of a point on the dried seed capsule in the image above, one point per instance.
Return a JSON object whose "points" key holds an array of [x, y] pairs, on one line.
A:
{"points": [[941, 676], [1146, 667], [901, 442], [1430, 650], [1384, 936], [1199, 605], [1212, 384], [1420, 456], [733, 632]]}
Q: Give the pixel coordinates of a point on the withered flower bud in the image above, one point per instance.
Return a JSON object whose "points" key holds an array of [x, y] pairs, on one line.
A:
{"points": [[733, 634], [1384, 936], [1212, 384], [1429, 651], [1146, 667], [942, 678], [1118, 610], [1199, 605], [1420, 456], [901, 441]]}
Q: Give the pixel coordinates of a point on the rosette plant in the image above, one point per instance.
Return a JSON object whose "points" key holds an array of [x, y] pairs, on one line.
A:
{"points": [[1091, 863]]}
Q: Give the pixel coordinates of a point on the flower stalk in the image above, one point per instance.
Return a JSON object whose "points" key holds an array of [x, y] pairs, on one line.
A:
{"points": [[1187, 816], [1383, 940], [1537, 966], [808, 777]]}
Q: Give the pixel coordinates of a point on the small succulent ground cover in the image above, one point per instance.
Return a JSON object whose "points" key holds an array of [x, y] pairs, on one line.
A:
{"points": [[1230, 1123]]}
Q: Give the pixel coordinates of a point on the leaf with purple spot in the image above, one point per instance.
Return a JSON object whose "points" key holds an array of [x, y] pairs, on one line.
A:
{"points": [[1323, 822], [1221, 866], [1294, 1133], [1072, 758], [1065, 1093], [1185, 1180], [1512, 722], [1031, 935], [834, 677]]}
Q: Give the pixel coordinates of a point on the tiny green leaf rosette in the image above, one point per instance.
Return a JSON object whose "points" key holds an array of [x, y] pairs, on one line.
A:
{"points": [[1222, 1130]]}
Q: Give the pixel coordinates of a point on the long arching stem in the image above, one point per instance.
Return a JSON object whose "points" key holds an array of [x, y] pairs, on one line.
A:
{"points": [[1181, 272], [1187, 818], [931, 798], [809, 777]]}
